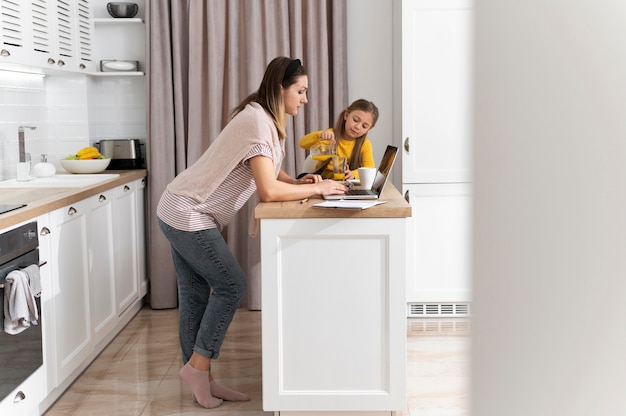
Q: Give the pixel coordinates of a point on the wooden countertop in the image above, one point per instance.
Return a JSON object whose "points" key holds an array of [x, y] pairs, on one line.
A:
{"points": [[395, 207], [43, 200]]}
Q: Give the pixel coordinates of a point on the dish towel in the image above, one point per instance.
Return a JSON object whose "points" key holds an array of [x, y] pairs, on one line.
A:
{"points": [[33, 277], [20, 309]]}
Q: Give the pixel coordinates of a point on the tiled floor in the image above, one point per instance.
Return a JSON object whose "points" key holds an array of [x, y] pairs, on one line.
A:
{"points": [[137, 374]]}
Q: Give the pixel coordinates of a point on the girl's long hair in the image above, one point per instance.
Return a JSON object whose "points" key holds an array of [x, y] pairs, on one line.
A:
{"points": [[340, 128], [269, 94]]}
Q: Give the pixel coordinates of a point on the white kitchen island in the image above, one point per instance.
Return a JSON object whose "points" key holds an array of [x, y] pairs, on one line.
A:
{"points": [[333, 308]]}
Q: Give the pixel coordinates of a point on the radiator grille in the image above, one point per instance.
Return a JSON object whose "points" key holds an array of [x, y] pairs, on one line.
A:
{"points": [[438, 309], [459, 326]]}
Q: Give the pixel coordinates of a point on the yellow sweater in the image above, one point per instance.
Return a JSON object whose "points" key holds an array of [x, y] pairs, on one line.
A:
{"points": [[344, 148]]}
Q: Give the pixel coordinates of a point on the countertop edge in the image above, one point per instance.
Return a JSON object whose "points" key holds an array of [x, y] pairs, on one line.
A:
{"points": [[56, 198]]}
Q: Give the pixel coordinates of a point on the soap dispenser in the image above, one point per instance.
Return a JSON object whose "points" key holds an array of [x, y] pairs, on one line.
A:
{"points": [[43, 168]]}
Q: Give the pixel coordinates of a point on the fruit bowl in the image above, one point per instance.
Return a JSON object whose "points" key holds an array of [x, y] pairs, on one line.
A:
{"points": [[85, 166]]}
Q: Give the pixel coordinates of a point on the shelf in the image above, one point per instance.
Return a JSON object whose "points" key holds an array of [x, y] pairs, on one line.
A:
{"points": [[117, 74], [112, 20]]}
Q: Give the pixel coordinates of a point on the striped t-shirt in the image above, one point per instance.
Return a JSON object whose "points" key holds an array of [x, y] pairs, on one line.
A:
{"points": [[186, 214]]}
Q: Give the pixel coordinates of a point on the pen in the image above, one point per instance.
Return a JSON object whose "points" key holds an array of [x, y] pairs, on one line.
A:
{"points": [[302, 201]]}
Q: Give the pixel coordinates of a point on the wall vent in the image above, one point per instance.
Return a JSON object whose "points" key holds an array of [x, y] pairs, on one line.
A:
{"points": [[421, 310], [460, 326]]}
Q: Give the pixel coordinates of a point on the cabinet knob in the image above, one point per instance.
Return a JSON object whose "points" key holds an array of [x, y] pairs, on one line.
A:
{"points": [[4, 52], [82, 66], [61, 62], [407, 197], [126, 188], [19, 396], [406, 145], [51, 61], [102, 198], [44, 231], [71, 211]]}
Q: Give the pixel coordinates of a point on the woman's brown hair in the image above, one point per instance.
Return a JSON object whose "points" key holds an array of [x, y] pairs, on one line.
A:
{"points": [[280, 71]]}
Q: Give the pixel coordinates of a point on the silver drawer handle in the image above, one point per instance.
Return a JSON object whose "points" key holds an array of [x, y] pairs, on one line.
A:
{"points": [[126, 188], [4, 52], [102, 198], [71, 211], [45, 231]]}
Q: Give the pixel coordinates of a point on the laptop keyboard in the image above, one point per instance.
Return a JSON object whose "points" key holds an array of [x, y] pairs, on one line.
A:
{"points": [[360, 192]]}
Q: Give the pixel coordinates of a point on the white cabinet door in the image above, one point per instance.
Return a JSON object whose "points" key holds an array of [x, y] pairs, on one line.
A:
{"points": [[125, 238], [140, 196], [70, 275], [438, 235], [334, 331], [15, 34], [54, 42], [101, 265], [436, 87], [48, 326]]}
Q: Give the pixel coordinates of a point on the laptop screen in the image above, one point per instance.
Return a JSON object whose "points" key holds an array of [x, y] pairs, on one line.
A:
{"points": [[385, 167]]}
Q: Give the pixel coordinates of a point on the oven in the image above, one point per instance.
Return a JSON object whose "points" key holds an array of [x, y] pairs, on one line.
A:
{"points": [[21, 354]]}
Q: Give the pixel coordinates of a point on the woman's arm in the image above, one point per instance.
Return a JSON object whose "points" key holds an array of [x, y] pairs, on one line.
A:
{"points": [[271, 189]]}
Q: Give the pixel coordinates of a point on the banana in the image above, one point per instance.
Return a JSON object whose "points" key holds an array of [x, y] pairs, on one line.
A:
{"points": [[84, 150], [88, 153]]}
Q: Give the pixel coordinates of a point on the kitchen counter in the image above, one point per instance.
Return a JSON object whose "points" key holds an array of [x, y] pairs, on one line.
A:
{"points": [[334, 307], [42, 200], [395, 207]]}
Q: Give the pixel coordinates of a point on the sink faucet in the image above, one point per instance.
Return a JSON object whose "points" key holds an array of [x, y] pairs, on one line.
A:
{"points": [[20, 136]]}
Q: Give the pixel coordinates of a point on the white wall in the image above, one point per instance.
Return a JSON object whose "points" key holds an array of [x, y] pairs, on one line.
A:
{"points": [[370, 65], [549, 325]]}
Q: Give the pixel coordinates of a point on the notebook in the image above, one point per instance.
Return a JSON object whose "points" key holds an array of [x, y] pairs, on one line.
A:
{"points": [[379, 182]]}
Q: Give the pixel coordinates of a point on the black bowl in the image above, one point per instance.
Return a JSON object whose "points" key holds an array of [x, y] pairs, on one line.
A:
{"points": [[120, 9]]}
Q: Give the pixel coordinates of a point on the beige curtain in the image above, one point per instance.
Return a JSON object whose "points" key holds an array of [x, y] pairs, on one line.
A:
{"points": [[203, 58]]}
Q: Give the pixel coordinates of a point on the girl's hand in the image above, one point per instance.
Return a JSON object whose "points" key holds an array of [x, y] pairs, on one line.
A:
{"points": [[348, 174], [328, 135], [309, 178]]}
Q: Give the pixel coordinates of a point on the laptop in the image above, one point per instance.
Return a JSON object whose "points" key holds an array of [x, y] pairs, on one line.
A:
{"points": [[379, 182]]}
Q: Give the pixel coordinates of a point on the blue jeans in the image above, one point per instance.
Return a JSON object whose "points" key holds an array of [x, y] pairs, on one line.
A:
{"points": [[211, 286]]}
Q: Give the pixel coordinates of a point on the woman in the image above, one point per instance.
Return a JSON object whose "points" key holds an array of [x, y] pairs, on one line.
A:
{"points": [[199, 202], [349, 136]]}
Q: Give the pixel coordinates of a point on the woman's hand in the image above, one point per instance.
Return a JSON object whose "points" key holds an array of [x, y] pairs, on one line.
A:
{"points": [[309, 178], [331, 187], [348, 174]]}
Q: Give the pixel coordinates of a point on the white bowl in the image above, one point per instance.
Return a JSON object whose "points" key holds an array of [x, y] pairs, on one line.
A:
{"points": [[85, 166]]}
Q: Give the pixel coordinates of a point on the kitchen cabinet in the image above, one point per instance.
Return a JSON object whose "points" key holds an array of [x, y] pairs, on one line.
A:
{"points": [[334, 336], [102, 263], [125, 237], [44, 34], [78, 251], [51, 35], [140, 197], [25, 399], [439, 234], [436, 172], [62, 31], [14, 38], [70, 270]]}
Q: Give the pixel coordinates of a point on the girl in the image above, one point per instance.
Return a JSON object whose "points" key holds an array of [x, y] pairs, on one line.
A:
{"points": [[199, 202], [349, 136]]}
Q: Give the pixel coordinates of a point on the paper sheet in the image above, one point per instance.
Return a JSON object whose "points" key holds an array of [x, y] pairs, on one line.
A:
{"points": [[348, 204]]}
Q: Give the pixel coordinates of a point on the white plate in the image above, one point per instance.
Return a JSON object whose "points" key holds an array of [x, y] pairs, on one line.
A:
{"points": [[119, 66]]}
